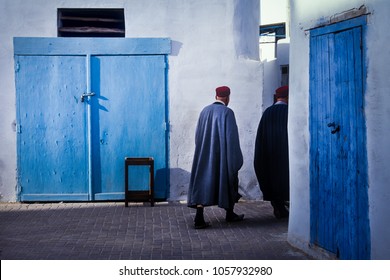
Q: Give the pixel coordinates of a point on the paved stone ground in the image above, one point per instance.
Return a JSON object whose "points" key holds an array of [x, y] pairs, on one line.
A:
{"points": [[108, 230]]}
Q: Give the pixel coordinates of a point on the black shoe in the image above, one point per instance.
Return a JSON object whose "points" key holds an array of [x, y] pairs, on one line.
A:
{"points": [[199, 221], [280, 210], [201, 225], [280, 214], [233, 217]]}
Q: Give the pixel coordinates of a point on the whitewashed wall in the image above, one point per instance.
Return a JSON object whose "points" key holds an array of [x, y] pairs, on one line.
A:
{"points": [[306, 14], [214, 42]]}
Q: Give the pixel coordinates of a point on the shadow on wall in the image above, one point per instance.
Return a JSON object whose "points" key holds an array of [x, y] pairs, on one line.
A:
{"points": [[175, 48], [179, 181]]}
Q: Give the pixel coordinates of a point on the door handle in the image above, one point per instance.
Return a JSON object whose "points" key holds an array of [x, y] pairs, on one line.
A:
{"points": [[86, 95], [336, 128]]}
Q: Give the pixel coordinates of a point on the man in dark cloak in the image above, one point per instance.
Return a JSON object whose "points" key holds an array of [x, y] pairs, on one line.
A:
{"points": [[271, 161], [217, 160]]}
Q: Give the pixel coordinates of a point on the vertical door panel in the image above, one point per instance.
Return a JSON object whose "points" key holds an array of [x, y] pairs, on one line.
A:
{"points": [[51, 135], [322, 172], [128, 120]]}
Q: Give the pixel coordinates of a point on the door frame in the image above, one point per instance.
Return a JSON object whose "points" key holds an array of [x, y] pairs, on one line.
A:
{"points": [[36, 46], [362, 225]]}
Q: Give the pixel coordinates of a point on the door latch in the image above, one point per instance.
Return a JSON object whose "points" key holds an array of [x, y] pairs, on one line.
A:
{"points": [[86, 95], [336, 128]]}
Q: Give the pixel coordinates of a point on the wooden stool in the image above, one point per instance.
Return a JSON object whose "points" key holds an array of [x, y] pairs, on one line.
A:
{"points": [[139, 195]]}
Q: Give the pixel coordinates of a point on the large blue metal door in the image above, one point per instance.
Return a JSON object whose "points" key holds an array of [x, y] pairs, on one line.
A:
{"points": [[339, 202], [52, 151], [128, 119], [80, 114]]}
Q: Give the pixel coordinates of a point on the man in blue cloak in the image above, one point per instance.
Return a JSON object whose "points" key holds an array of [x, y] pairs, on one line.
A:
{"points": [[217, 160]]}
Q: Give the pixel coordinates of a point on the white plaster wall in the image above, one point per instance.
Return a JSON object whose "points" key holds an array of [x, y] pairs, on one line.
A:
{"points": [[306, 14], [378, 128], [214, 42], [272, 77]]}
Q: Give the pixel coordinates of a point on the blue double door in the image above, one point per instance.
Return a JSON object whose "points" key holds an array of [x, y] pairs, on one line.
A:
{"points": [[79, 114]]}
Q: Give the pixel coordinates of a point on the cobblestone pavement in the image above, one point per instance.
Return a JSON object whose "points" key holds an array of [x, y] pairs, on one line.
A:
{"points": [[108, 230]]}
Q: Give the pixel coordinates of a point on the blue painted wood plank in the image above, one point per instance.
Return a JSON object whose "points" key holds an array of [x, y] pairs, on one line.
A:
{"points": [[324, 108], [336, 27], [54, 197], [348, 144], [109, 196], [92, 46], [362, 174], [313, 120], [339, 95]]}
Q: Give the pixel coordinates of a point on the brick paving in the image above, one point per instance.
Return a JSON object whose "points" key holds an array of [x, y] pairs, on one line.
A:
{"points": [[108, 230]]}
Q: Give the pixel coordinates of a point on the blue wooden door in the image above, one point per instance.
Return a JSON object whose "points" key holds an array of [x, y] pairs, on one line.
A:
{"points": [[339, 202], [52, 154], [72, 147], [128, 120]]}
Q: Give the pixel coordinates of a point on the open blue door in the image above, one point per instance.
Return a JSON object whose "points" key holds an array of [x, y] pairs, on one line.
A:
{"points": [[83, 105]]}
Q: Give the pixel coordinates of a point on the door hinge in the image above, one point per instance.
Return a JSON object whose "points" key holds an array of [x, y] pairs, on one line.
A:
{"points": [[18, 129], [17, 67]]}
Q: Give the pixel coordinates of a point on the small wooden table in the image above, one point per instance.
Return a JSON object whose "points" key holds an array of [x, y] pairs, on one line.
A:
{"points": [[137, 195]]}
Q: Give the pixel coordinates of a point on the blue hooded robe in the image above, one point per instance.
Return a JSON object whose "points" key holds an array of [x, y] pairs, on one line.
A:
{"points": [[217, 159]]}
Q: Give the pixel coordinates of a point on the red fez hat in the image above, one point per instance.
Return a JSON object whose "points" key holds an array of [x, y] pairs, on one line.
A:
{"points": [[223, 91], [281, 92]]}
